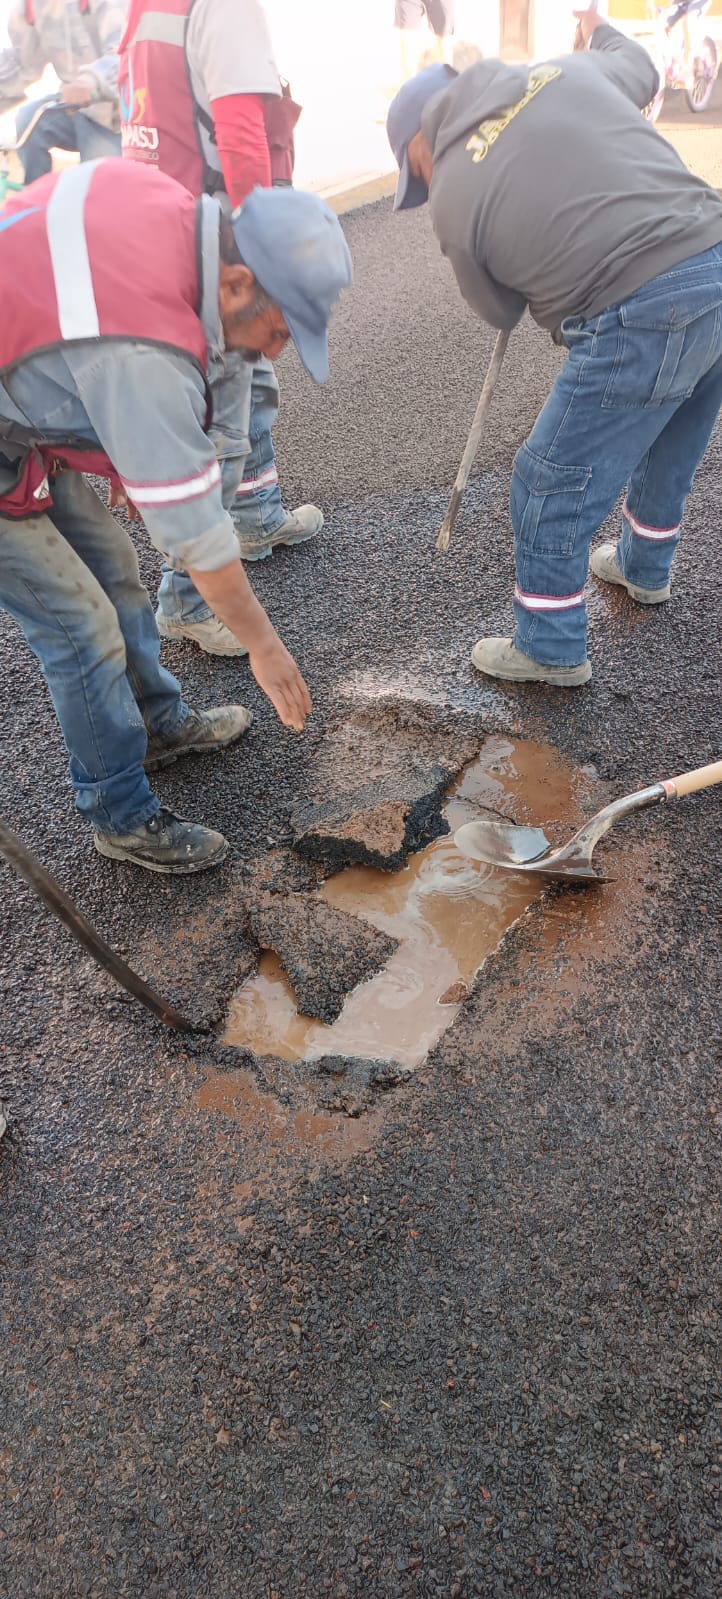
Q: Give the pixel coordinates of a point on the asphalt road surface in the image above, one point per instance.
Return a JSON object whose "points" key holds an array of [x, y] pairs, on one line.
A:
{"points": [[466, 1342]]}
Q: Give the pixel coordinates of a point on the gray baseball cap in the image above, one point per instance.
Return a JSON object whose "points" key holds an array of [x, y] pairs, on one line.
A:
{"points": [[295, 248], [404, 121]]}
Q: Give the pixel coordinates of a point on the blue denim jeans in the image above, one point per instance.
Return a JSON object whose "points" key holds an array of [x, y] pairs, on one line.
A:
{"points": [[257, 509], [71, 581], [245, 407], [62, 129], [633, 407]]}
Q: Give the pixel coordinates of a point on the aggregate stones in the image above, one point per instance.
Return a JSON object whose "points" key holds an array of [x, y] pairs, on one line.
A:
{"points": [[464, 1342]]}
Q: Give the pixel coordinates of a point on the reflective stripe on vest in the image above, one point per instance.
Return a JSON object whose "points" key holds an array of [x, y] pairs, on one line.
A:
{"points": [[68, 245], [105, 250]]}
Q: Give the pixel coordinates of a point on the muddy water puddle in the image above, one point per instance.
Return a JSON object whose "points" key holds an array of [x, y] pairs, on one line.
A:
{"points": [[447, 913], [330, 1136]]}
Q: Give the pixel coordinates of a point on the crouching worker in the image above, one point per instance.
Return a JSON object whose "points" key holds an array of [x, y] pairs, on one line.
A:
{"points": [[119, 287], [548, 190]]}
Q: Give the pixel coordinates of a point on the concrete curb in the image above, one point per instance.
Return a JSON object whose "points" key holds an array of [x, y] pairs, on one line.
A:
{"points": [[367, 190], [377, 186]]}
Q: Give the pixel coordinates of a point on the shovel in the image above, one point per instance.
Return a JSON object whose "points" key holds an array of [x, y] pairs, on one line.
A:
{"points": [[527, 849]]}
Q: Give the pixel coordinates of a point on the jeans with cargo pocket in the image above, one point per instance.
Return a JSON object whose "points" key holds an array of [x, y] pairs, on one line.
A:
{"points": [[70, 579], [632, 408]]}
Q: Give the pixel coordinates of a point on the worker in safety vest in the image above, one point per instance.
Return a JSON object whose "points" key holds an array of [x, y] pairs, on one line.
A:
{"points": [[122, 292], [79, 39], [200, 99]]}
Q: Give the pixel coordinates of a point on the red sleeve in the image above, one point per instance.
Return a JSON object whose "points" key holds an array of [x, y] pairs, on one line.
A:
{"points": [[240, 130]]}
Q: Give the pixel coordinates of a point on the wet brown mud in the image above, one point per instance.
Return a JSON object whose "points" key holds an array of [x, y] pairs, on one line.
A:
{"points": [[447, 914]]}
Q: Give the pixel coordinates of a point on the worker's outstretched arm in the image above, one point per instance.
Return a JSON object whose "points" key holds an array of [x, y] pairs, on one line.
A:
{"points": [[231, 598], [622, 60], [147, 408]]}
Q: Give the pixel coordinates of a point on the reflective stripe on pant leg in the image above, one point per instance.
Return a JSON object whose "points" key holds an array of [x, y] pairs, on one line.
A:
{"points": [[258, 507], [644, 554], [659, 486], [551, 556]]}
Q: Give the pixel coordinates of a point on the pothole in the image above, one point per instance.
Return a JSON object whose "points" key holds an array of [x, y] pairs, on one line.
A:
{"points": [[447, 913]]}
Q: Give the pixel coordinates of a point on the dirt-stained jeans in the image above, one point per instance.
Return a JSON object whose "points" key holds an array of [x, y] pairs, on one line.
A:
{"points": [[71, 581]]}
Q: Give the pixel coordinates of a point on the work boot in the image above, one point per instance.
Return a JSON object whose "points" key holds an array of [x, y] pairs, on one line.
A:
{"points": [[499, 657], [210, 634], [201, 730], [300, 526], [603, 563], [166, 843]]}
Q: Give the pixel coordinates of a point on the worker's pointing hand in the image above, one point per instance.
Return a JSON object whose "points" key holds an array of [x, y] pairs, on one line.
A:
{"points": [[76, 95], [277, 674], [118, 501], [587, 23], [228, 592]]}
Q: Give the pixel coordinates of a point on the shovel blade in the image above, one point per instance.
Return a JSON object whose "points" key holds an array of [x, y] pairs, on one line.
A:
{"points": [[525, 849], [502, 844]]}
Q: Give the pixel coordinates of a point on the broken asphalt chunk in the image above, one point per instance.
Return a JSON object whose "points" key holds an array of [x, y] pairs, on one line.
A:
{"points": [[324, 952], [372, 829]]}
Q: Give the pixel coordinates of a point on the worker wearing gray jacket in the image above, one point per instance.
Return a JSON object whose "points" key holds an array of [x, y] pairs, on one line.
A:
{"points": [[549, 191]]}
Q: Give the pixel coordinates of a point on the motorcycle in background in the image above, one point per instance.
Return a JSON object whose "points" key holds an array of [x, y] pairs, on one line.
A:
{"points": [[684, 55]]}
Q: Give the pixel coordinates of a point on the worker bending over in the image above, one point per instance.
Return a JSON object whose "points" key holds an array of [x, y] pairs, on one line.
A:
{"points": [[120, 287], [549, 191]]}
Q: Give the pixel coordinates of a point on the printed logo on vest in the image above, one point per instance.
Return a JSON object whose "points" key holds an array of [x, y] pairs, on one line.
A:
{"points": [[135, 134]]}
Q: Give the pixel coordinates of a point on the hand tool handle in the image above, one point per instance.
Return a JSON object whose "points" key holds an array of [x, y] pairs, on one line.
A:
{"points": [[474, 439], [690, 782], [48, 889]]}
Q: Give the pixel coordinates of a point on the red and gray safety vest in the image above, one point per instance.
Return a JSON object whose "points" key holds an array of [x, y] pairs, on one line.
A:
{"points": [[161, 121], [100, 251]]}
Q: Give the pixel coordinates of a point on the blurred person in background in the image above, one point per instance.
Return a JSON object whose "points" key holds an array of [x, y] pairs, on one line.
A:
{"points": [[421, 44], [79, 39], [201, 100]]}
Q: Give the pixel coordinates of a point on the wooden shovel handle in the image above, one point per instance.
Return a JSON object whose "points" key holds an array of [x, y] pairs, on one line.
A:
{"points": [[690, 782], [474, 439]]}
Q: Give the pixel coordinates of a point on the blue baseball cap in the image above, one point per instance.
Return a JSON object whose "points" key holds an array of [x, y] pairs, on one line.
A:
{"points": [[404, 121], [295, 248]]}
